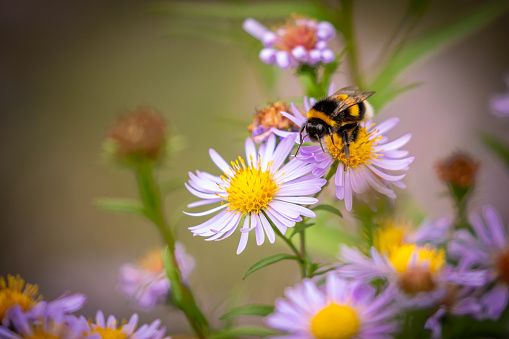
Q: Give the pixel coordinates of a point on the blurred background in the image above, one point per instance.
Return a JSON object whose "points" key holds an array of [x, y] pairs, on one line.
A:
{"points": [[69, 68]]}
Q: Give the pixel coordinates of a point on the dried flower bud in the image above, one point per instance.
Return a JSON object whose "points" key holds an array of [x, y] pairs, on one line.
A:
{"points": [[139, 133], [269, 117], [503, 266], [415, 280], [458, 169]]}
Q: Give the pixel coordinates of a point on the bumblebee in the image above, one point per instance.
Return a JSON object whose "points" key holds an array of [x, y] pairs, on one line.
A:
{"points": [[340, 114]]}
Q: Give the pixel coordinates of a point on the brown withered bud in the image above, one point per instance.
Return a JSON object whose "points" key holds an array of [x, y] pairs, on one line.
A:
{"points": [[416, 280], [459, 169], [269, 117], [503, 266], [141, 132]]}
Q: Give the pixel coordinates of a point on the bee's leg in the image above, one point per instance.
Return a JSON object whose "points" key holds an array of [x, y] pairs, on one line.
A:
{"points": [[332, 140], [301, 139], [346, 150]]}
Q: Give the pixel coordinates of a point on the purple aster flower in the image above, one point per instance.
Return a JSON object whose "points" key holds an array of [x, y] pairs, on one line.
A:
{"points": [[487, 249], [340, 309], [146, 283], [500, 103], [111, 328], [299, 41], [22, 325], [458, 301], [261, 189], [372, 159], [419, 273]]}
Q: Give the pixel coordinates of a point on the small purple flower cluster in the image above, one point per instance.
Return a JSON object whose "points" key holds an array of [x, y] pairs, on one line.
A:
{"points": [[300, 41]]}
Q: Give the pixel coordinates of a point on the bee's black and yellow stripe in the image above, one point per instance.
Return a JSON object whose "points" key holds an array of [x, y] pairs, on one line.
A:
{"points": [[324, 109]]}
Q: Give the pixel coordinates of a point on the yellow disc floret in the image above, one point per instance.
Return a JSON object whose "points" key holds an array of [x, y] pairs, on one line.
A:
{"points": [[425, 257], [152, 261], [15, 291], [335, 322], [361, 151], [251, 188], [108, 333], [390, 235], [41, 334]]}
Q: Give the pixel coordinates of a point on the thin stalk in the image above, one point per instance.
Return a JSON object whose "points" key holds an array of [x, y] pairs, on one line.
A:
{"points": [[181, 295], [349, 35]]}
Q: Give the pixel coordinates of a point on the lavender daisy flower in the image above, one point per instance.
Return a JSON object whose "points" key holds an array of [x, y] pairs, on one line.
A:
{"points": [[260, 190], [341, 309], [23, 326], [487, 249], [146, 283], [299, 41], [458, 301], [418, 272], [110, 328], [372, 158], [500, 103]]}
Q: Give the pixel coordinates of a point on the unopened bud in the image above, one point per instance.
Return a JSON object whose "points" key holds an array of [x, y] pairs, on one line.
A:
{"points": [[140, 133], [458, 169]]}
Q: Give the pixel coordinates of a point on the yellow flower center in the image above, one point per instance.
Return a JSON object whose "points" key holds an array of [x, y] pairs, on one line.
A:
{"points": [[251, 188], [152, 261], [389, 235], [14, 291], [361, 151], [426, 257], [335, 322], [108, 333], [39, 334]]}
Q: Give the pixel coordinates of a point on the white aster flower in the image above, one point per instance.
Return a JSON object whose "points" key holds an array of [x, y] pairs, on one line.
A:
{"points": [[260, 189]]}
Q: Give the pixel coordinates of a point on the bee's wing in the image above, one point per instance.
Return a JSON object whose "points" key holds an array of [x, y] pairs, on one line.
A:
{"points": [[354, 97]]}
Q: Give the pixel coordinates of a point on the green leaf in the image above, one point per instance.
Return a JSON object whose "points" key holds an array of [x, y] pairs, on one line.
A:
{"points": [[300, 227], [328, 208], [234, 10], [251, 331], [120, 206], [423, 45], [269, 261], [496, 146], [255, 309]]}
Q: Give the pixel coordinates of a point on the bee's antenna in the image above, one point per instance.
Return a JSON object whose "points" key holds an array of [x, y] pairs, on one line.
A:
{"points": [[301, 139]]}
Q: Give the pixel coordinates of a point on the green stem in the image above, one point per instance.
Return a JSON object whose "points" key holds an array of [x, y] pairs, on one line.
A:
{"points": [[182, 297], [302, 263]]}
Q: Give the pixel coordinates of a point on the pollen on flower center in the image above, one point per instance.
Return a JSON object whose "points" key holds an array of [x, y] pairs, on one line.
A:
{"points": [[16, 292], [152, 261], [108, 333], [431, 259], [39, 334], [251, 188], [335, 322], [361, 150], [296, 33]]}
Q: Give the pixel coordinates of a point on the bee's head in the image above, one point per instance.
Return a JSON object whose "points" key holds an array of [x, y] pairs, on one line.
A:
{"points": [[316, 129]]}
